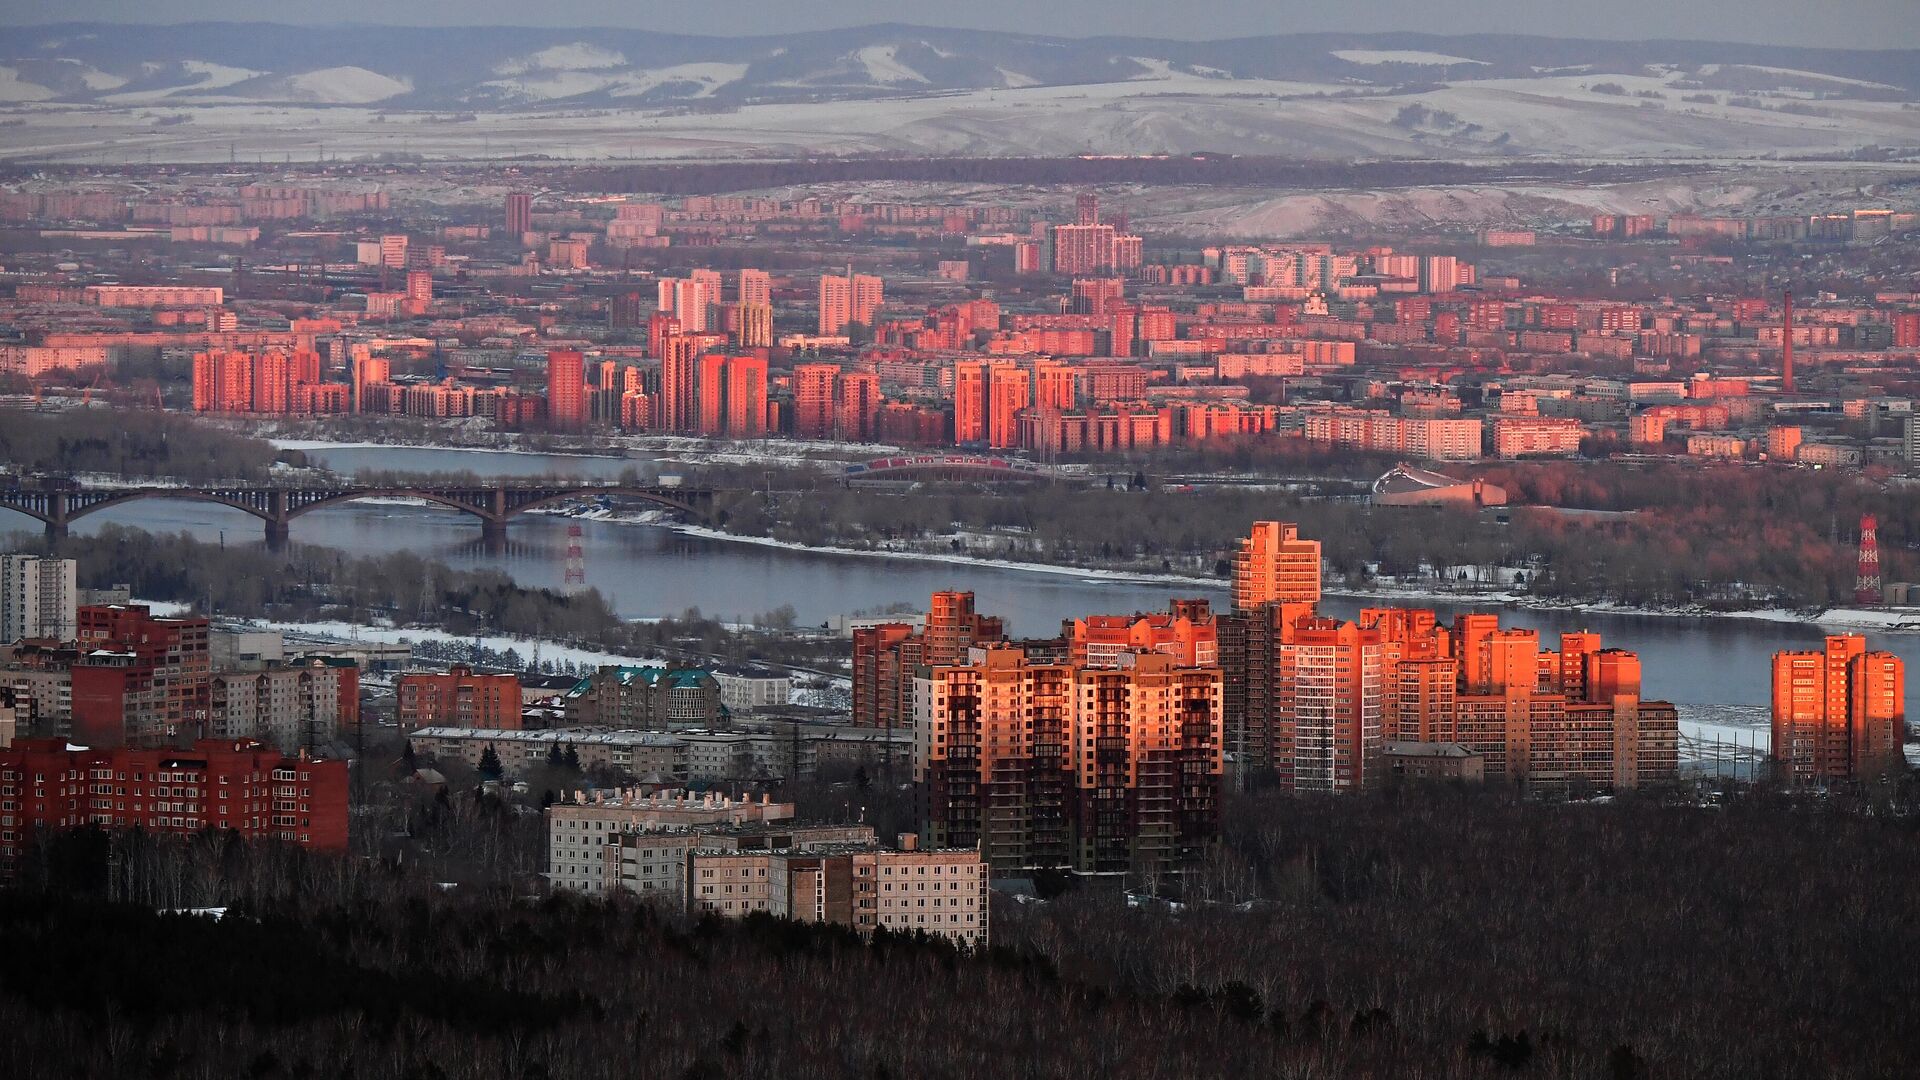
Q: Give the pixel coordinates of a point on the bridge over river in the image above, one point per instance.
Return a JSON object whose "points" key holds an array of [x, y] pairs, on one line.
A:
{"points": [[58, 503]]}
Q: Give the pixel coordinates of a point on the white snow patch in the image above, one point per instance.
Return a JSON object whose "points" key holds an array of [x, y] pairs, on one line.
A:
{"points": [[14, 88], [551, 85], [710, 76], [578, 56], [528, 648], [1015, 80], [1156, 69], [1403, 56], [883, 65], [1817, 75], [344, 86], [166, 609], [213, 77], [217, 73], [557, 84]]}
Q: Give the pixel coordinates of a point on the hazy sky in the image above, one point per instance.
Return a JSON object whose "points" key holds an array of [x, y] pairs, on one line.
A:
{"points": [[1845, 23]]}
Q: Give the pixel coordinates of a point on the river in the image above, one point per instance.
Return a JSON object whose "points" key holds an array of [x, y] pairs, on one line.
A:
{"points": [[652, 570]]}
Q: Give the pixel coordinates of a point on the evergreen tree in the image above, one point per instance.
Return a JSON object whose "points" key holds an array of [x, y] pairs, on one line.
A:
{"points": [[490, 768]]}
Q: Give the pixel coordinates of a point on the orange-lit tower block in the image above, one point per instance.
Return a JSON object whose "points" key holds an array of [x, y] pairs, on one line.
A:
{"points": [[885, 656], [1040, 762], [1838, 714], [813, 400], [1310, 703], [567, 389], [1274, 565]]}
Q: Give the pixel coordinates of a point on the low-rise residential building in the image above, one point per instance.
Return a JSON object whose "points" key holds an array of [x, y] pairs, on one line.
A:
{"points": [[580, 829], [1421, 761], [1537, 436], [743, 690], [645, 698], [645, 754], [458, 697], [941, 893]]}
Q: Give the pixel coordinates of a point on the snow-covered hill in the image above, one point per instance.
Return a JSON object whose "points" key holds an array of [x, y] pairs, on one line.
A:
{"points": [[893, 89]]}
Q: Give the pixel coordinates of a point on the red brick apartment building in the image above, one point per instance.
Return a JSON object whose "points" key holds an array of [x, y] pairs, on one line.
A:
{"points": [[260, 793]]}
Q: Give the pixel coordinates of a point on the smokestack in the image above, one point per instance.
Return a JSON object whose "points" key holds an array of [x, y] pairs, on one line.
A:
{"points": [[1786, 347]]}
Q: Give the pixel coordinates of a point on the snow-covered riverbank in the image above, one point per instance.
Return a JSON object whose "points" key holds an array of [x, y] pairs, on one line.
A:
{"points": [[1875, 621], [1886, 622]]}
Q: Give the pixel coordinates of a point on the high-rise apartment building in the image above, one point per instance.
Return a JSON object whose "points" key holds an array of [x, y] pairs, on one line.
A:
{"points": [[1839, 713], [1042, 763], [813, 400], [271, 383], [1330, 683], [519, 214], [291, 707], [393, 251], [988, 397], [368, 370], [856, 406], [139, 681], [1310, 703], [886, 655], [710, 391], [749, 326], [745, 405], [679, 381], [756, 288], [1086, 209], [844, 300], [1274, 565], [1097, 296], [39, 598], [689, 300], [566, 389]]}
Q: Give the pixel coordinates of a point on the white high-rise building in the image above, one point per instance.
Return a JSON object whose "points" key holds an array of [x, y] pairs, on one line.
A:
{"points": [[38, 598]]}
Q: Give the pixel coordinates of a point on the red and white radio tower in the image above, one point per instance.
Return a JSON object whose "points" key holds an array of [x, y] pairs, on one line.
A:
{"points": [[1866, 588], [576, 579]]}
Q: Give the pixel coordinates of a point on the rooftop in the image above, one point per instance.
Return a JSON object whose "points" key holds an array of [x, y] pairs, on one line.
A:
{"points": [[1428, 750], [558, 736]]}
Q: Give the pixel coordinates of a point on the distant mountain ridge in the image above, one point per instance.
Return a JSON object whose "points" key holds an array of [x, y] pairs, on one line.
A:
{"points": [[491, 68]]}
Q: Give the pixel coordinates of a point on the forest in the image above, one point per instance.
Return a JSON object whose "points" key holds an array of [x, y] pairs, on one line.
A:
{"points": [[1432, 933], [128, 443], [1659, 535]]}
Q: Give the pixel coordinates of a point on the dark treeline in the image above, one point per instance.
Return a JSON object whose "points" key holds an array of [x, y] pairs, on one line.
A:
{"points": [[308, 582], [1433, 934], [1236, 171], [134, 444], [1718, 536]]}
